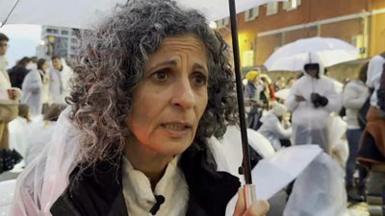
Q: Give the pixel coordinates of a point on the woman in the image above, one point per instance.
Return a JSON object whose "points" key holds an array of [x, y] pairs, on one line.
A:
{"points": [[153, 84], [34, 88], [354, 96]]}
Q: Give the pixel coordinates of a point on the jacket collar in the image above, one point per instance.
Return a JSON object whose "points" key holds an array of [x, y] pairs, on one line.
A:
{"points": [[98, 190]]}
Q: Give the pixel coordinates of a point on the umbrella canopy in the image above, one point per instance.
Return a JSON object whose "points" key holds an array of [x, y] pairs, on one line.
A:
{"points": [[275, 172], [293, 56], [86, 13]]}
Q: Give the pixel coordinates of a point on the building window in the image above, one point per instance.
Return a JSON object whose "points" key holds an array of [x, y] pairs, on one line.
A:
{"points": [[291, 5], [64, 32], [223, 22], [272, 8], [251, 14]]}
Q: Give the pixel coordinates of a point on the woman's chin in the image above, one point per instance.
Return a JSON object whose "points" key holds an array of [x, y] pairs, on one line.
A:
{"points": [[172, 147]]}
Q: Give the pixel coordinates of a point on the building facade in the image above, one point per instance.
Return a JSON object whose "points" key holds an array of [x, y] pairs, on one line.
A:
{"points": [[266, 28], [58, 41]]}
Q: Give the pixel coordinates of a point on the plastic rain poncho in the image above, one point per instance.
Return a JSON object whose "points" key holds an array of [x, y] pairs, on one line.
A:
{"points": [[310, 123], [47, 176], [32, 92], [59, 86], [319, 190], [19, 135], [41, 133], [273, 129]]}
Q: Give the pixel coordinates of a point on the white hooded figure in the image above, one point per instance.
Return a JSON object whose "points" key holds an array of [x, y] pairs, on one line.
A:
{"points": [[272, 128], [311, 100], [32, 91], [60, 75], [35, 88]]}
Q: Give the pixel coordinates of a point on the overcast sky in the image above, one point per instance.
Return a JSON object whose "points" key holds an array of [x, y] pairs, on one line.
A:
{"points": [[23, 41]]}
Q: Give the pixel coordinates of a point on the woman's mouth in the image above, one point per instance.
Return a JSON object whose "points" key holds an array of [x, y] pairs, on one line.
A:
{"points": [[177, 129]]}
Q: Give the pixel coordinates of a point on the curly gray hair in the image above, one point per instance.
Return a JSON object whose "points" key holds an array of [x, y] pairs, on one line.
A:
{"points": [[112, 63]]}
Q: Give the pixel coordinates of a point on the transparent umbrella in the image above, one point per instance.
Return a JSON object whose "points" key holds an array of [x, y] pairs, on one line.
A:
{"points": [[293, 56]]}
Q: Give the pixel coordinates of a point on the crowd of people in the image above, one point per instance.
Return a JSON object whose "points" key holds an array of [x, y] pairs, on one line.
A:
{"points": [[28, 90], [345, 120], [131, 130]]}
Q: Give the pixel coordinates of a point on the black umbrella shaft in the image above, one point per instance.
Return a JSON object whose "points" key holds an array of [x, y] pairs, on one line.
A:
{"points": [[9, 14], [241, 105]]}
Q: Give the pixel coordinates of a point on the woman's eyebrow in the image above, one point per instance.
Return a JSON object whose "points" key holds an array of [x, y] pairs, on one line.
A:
{"points": [[200, 66], [168, 62]]}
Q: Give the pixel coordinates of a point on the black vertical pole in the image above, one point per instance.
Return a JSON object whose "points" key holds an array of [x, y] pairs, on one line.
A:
{"points": [[245, 147]]}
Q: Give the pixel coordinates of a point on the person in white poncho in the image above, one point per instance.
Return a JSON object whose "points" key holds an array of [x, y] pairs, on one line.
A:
{"points": [[59, 77], [311, 100], [272, 128], [33, 88]]}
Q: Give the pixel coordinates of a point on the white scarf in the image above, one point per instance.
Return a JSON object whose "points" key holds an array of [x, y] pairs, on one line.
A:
{"points": [[140, 198]]}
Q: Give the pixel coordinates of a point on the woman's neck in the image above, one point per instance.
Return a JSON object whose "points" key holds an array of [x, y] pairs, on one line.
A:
{"points": [[152, 164]]}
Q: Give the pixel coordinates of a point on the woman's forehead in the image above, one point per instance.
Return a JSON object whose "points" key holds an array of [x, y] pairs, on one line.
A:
{"points": [[186, 44]]}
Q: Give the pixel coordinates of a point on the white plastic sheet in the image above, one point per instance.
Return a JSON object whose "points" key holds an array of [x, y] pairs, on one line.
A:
{"points": [[7, 192], [45, 179], [19, 135], [319, 190], [274, 173]]}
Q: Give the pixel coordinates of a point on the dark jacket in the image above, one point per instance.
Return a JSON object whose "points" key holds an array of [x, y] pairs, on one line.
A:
{"points": [[98, 191], [17, 75]]}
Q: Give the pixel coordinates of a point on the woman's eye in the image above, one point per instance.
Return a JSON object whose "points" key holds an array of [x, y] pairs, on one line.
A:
{"points": [[199, 79], [161, 75]]}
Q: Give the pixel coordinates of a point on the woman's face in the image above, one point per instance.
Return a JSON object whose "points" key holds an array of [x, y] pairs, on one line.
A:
{"points": [[172, 97], [45, 66]]}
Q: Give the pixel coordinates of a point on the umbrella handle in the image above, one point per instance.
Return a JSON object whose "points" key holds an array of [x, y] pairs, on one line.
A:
{"points": [[249, 194]]}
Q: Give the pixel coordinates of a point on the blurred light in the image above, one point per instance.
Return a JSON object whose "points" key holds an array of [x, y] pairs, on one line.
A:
{"points": [[294, 3], [213, 25], [42, 43]]}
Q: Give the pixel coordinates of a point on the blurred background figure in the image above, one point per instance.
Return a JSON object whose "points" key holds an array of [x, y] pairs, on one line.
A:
{"points": [[372, 147], [18, 72], [280, 83], [42, 131], [272, 127], [35, 88], [354, 96], [267, 92], [252, 100], [19, 131], [59, 75], [9, 96], [311, 100]]}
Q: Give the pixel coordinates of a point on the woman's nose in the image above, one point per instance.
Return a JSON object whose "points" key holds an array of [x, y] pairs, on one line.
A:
{"points": [[183, 95]]}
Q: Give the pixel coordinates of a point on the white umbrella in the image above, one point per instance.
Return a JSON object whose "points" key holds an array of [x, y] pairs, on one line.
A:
{"points": [[275, 170], [293, 56], [86, 13]]}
